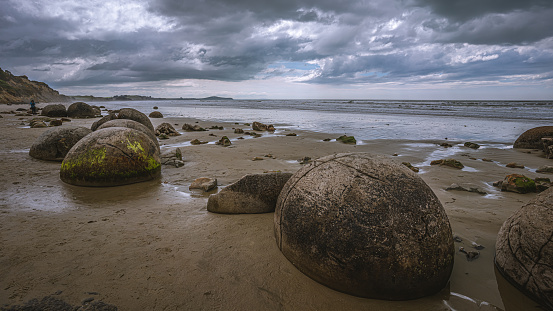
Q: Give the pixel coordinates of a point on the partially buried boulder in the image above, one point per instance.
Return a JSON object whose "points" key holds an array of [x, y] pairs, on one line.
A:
{"points": [[204, 183], [55, 143], [531, 139], [524, 251], [132, 125], [156, 114], [167, 129], [252, 194], [367, 226], [111, 157], [54, 110], [80, 110]]}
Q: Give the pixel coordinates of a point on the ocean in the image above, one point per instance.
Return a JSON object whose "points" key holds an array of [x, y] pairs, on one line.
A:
{"points": [[491, 122]]}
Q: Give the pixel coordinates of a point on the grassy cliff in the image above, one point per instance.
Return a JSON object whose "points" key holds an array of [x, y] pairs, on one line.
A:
{"points": [[19, 89]]}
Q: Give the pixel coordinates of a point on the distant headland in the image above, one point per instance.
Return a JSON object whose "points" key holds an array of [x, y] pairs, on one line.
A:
{"points": [[140, 97], [21, 90]]}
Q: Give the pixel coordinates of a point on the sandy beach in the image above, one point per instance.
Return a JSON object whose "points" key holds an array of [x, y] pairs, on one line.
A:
{"points": [[154, 246]]}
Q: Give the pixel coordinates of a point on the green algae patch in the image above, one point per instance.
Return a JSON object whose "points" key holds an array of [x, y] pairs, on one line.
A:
{"points": [[448, 162], [347, 139]]}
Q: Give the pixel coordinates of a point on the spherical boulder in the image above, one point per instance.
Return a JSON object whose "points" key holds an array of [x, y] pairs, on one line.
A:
{"points": [[111, 157], [524, 249], [130, 124], [54, 110], [531, 139], [55, 143], [80, 110], [135, 115], [104, 119], [365, 225], [156, 114]]}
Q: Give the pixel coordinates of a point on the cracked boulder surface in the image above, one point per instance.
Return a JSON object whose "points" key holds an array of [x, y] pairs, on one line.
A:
{"points": [[111, 157], [364, 225], [524, 249]]}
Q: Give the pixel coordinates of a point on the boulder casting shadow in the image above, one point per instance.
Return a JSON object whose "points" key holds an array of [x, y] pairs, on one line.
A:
{"points": [[111, 157], [367, 226]]}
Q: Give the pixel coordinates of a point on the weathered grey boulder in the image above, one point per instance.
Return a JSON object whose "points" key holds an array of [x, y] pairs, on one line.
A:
{"points": [[167, 129], [524, 250], [204, 183], [156, 114], [367, 226], [258, 126], [546, 169], [54, 144], [80, 110], [547, 143], [104, 119], [192, 128], [173, 158], [111, 157], [133, 114], [130, 124], [54, 110], [531, 139], [252, 194]]}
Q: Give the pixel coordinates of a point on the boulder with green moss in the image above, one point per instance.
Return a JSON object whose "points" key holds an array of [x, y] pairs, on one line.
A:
{"points": [[518, 183], [448, 162], [347, 139], [111, 157]]}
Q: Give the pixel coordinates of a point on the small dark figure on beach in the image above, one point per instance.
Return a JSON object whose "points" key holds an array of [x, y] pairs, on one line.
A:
{"points": [[33, 107]]}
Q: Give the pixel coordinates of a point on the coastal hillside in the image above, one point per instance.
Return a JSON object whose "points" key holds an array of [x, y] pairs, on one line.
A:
{"points": [[19, 89]]}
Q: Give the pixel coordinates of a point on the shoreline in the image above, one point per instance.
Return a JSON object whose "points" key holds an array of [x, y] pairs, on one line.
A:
{"points": [[153, 245]]}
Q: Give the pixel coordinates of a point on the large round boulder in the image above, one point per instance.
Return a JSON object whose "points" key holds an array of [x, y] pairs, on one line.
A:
{"points": [[111, 157], [367, 226], [55, 143], [104, 119], [54, 111], [531, 139], [133, 114], [80, 110], [524, 249], [130, 124]]}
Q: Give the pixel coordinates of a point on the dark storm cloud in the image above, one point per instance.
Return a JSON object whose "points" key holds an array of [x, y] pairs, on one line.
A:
{"points": [[464, 10], [402, 41]]}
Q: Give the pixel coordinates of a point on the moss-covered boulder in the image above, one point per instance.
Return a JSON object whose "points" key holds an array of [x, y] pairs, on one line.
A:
{"points": [[111, 157], [132, 125], [55, 143], [448, 162], [347, 139], [518, 183]]}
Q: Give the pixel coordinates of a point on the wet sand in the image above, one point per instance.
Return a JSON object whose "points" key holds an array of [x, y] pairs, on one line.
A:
{"points": [[154, 246]]}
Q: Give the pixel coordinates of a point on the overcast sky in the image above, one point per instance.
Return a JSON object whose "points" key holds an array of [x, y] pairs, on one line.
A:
{"points": [[346, 49]]}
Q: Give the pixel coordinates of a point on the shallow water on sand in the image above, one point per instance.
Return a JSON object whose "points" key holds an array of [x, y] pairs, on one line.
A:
{"points": [[498, 122]]}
